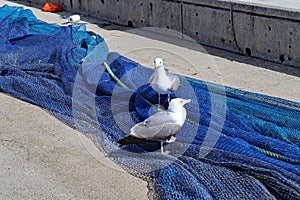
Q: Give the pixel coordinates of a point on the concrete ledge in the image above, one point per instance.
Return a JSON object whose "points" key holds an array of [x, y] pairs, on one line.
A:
{"points": [[249, 6], [264, 31]]}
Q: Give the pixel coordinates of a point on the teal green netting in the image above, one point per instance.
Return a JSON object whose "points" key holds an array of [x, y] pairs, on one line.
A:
{"points": [[255, 142]]}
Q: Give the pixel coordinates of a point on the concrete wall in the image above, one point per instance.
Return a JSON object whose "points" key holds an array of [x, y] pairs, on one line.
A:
{"points": [[262, 32]]}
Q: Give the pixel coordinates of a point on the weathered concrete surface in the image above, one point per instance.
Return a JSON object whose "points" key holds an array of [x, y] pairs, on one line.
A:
{"points": [[263, 29], [290, 4], [41, 158]]}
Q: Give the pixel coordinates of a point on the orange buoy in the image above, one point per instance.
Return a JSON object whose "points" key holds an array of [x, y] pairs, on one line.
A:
{"points": [[52, 7]]}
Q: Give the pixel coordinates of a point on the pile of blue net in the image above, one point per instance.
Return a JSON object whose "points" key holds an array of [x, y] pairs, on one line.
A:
{"points": [[233, 145]]}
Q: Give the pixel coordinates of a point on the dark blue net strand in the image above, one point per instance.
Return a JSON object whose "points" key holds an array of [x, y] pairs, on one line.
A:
{"points": [[253, 151]]}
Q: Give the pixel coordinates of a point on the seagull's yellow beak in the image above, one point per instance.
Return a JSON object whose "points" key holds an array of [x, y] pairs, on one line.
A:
{"points": [[187, 101]]}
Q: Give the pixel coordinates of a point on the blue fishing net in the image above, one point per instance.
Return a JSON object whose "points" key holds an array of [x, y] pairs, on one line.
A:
{"points": [[233, 145]]}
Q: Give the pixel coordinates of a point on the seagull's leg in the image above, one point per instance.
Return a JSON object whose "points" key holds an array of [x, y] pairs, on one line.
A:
{"points": [[162, 146], [159, 107], [159, 99]]}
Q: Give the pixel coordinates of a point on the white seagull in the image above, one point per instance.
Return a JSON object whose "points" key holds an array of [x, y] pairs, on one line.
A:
{"points": [[162, 81], [160, 126]]}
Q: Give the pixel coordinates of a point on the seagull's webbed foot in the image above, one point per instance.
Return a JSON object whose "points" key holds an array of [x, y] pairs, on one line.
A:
{"points": [[159, 107], [167, 152]]}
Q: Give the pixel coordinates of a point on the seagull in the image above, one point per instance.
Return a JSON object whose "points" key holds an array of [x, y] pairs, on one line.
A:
{"points": [[162, 81], [160, 126]]}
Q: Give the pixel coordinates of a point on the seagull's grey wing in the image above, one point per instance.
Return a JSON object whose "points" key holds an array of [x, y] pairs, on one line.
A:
{"points": [[175, 82], [157, 127], [155, 133]]}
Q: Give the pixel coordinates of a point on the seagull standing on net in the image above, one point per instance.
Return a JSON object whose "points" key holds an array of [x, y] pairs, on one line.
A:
{"points": [[162, 81], [160, 126]]}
